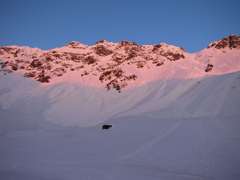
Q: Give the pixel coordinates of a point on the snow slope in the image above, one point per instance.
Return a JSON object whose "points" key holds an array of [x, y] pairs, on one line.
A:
{"points": [[85, 106], [175, 121]]}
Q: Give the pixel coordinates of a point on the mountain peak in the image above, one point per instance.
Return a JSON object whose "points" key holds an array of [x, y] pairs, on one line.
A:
{"points": [[233, 42], [126, 43], [75, 45], [100, 42]]}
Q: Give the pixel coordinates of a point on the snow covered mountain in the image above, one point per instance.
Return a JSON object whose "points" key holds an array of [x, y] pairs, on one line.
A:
{"points": [[118, 65], [75, 79], [168, 109]]}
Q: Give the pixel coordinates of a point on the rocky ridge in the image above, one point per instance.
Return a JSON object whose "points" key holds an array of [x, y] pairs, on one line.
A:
{"points": [[104, 60]]}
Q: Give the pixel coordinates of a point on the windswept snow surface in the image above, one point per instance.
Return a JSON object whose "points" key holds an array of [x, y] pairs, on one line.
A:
{"points": [[176, 129], [177, 121]]}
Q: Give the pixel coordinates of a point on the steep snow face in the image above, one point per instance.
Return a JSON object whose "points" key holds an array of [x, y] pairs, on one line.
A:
{"points": [[197, 97], [69, 103]]}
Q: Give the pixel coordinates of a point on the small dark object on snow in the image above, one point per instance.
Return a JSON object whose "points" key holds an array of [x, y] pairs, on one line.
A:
{"points": [[106, 126]]}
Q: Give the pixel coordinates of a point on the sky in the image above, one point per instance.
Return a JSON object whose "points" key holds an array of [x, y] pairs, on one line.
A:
{"points": [[47, 24]]}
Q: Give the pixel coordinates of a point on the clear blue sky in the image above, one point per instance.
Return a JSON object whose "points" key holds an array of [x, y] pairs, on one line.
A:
{"points": [[46, 24]]}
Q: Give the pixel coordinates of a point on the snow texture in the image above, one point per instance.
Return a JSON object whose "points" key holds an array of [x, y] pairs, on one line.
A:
{"points": [[176, 121]]}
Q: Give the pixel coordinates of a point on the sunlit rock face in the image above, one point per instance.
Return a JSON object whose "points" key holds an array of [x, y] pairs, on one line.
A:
{"points": [[233, 42], [111, 65]]}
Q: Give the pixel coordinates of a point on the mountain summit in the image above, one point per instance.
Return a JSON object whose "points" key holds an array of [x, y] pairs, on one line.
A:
{"points": [[233, 42]]}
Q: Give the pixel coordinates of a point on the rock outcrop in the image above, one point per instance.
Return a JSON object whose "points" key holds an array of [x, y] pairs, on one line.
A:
{"points": [[232, 42]]}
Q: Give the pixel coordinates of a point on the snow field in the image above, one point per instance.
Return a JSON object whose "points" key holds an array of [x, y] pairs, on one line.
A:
{"points": [[136, 147]]}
